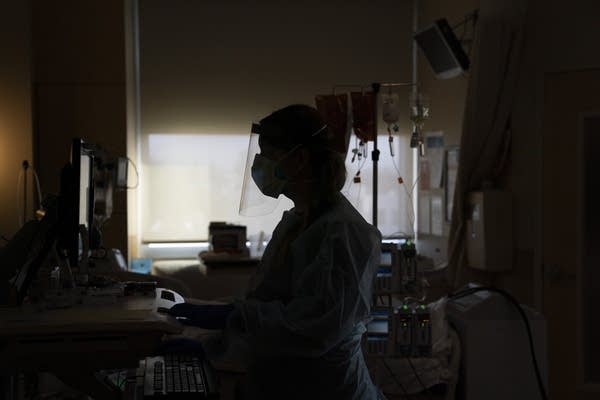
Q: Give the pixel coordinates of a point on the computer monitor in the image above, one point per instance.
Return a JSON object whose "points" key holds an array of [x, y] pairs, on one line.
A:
{"points": [[61, 225], [442, 49], [77, 201]]}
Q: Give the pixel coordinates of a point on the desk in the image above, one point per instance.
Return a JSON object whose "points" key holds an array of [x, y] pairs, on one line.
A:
{"points": [[75, 343]]}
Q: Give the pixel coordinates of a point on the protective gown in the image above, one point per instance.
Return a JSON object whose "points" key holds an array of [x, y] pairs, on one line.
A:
{"points": [[307, 306]]}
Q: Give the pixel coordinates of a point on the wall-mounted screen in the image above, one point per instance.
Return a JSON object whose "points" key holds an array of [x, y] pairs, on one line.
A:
{"points": [[442, 49]]}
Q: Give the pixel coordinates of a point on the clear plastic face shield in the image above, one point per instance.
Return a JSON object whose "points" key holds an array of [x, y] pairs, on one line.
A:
{"points": [[253, 202], [263, 181]]}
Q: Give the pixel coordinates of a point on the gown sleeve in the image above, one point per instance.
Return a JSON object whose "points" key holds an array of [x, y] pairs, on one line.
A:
{"points": [[330, 295]]}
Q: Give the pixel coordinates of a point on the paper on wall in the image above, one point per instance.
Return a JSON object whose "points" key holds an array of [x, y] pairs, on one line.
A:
{"points": [[437, 214], [434, 142]]}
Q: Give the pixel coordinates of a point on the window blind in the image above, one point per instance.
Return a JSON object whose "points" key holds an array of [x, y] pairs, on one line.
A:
{"points": [[208, 69]]}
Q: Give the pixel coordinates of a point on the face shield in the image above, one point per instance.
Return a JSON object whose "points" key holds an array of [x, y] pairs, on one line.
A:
{"points": [[253, 202], [263, 180]]}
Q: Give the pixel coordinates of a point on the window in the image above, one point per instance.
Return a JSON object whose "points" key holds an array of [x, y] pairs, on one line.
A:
{"points": [[208, 69], [192, 179]]}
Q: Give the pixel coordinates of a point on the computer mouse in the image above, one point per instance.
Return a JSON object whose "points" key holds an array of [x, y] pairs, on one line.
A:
{"points": [[166, 298]]}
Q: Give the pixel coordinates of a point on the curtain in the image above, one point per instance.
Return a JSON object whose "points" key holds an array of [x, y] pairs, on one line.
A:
{"points": [[485, 140]]}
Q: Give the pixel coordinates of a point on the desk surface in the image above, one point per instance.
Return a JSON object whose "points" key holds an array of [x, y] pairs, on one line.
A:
{"points": [[127, 314], [83, 337]]}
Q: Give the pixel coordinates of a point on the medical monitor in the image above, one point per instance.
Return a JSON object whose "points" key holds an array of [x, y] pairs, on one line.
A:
{"points": [[442, 49], [77, 201]]}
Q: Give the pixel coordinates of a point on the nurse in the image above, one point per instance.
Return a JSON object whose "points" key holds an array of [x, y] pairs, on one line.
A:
{"points": [[306, 308]]}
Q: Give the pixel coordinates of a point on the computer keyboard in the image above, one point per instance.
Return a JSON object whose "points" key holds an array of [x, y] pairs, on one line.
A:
{"points": [[178, 376]]}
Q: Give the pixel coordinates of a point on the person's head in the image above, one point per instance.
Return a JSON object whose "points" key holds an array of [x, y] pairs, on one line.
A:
{"points": [[297, 138]]}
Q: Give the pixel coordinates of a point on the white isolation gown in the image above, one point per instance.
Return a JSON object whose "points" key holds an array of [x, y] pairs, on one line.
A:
{"points": [[307, 307]]}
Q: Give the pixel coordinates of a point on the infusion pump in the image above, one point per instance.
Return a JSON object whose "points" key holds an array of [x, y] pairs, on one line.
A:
{"points": [[403, 331]]}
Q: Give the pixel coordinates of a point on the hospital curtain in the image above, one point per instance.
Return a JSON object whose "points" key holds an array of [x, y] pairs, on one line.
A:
{"points": [[485, 140], [208, 69]]}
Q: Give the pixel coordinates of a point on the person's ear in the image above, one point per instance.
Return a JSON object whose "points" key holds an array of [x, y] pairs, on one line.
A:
{"points": [[297, 162]]}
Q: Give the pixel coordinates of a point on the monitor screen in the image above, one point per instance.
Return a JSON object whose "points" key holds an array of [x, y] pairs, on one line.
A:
{"points": [[85, 168], [437, 53], [122, 163], [378, 327], [386, 258], [442, 49], [77, 199]]}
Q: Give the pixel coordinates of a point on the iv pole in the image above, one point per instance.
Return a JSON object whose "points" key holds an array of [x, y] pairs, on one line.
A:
{"points": [[375, 153], [376, 86]]}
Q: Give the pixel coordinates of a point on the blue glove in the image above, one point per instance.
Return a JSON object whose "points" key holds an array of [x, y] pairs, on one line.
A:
{"points": [[208, 316]]}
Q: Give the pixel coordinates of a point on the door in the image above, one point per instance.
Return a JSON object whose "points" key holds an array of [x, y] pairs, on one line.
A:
{"points": [[570, 228]]}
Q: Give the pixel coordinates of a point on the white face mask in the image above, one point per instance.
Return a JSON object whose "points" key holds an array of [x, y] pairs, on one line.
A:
{"points": [[265, 179], [263, 174]]}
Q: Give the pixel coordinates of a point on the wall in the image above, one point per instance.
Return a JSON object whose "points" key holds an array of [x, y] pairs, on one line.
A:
{"points": [[559, 36], [556, 38], [79, 89], [15, 107]]}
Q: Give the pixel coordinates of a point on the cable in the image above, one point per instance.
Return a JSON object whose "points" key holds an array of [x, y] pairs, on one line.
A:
{"points": [[404, 392], [358, 195], [425, 389], [25, 165], [472, 16], [362, 163], [412, 191], [19, 212], [411, 211], [137, 175], [412, 188], [21, 270], [514, 302], [21, 178], [365, 154], [411, 300], [37, 185], [409, 194]]}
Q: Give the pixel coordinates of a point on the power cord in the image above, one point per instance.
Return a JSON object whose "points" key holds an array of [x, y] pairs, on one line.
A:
{"points": [[511, 299], [404, 392], [425, 389], [137, 175]]}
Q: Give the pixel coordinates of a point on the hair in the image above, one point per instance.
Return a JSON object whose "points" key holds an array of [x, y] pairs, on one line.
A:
{"points": [[296, 125]]}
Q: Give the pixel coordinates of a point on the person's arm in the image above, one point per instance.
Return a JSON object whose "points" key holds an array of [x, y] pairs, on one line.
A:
{"points": [[335, 292]]}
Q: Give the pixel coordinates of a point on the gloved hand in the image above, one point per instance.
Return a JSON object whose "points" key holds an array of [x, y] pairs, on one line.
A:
{"points": [[208, 316]]}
